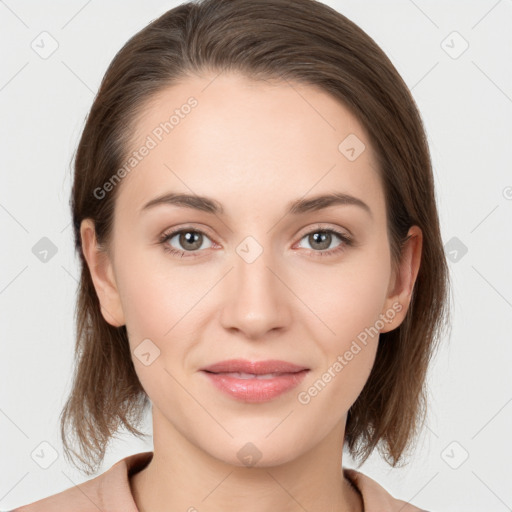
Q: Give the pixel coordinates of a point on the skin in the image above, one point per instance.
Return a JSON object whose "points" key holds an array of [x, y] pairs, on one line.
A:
{"points": [[254, 147]]}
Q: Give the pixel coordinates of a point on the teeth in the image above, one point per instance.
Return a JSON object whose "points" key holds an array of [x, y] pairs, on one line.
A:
{"points": [[241, 375]]}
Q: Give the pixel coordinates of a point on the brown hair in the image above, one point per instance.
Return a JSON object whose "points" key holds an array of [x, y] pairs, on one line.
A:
{"points": [[303, 41]]}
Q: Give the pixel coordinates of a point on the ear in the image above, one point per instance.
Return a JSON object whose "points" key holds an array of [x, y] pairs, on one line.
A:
{"points": [[402, 281], [100, 267]]}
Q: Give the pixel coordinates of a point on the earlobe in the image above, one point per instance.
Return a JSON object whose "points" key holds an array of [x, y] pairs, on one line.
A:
{"points": [[100, 267], [402, 284]]}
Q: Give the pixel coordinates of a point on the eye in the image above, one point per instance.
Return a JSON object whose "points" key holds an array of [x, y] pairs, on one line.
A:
{"points": [[190, 239], [321, 239]]}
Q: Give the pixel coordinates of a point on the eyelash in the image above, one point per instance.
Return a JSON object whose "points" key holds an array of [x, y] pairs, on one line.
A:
{"points": [[347, 242]]}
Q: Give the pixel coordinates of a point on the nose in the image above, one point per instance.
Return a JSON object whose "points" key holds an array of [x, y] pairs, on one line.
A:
{"points": [[256, 298]]}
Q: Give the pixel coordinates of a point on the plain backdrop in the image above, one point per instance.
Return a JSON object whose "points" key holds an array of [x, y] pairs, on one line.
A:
{"points": [[455, 57]]}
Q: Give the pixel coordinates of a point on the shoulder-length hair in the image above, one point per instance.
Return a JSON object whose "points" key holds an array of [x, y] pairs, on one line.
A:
{"points": [[302, 41]]}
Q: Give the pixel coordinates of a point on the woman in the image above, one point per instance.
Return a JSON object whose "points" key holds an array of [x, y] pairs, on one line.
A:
{"points": [[262, 265]]}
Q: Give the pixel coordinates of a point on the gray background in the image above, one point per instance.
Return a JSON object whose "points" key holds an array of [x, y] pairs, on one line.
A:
{"points": [[462, 461]]}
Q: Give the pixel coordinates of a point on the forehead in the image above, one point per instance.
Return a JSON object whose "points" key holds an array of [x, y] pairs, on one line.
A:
{"points": [[248, 142]]}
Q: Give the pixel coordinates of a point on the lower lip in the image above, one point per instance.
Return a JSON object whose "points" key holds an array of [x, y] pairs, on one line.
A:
{"points": [[256, 390]]}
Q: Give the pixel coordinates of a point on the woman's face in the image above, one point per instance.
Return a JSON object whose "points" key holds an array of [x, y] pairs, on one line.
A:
{"points": [[256, 279]]}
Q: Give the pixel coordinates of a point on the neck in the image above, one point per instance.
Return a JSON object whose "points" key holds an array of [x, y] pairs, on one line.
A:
{"points": [[181, 476]]}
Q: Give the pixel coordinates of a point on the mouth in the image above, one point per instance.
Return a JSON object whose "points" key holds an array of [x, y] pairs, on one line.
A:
{"points": [[243, 366], [245, 376], [257, 381]]}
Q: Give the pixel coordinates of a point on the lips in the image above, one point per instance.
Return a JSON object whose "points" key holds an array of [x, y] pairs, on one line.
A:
{"points": [[254, 381], [244, 366]]}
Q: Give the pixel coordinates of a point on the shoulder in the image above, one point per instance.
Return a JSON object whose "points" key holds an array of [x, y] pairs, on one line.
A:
{"points": [[375, 497], [108, 491]]}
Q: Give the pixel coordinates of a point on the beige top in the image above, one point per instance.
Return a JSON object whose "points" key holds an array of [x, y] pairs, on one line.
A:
{"points": [[110, 492]]}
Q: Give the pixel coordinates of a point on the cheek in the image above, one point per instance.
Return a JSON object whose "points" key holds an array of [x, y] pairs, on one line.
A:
{"points": [[157, 295], [350, 298], [142, 300], [157, 309], [349, 305], [350, 344]]}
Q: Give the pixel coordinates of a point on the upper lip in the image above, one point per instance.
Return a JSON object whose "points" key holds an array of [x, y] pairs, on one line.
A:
{"points": [[254, 367]]}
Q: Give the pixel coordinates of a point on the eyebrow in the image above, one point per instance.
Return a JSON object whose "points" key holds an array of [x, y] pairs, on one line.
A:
{"points": [[297, 207]]}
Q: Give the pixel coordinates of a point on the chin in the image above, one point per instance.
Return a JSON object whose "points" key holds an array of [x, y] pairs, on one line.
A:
{"points": [[256, 451]]}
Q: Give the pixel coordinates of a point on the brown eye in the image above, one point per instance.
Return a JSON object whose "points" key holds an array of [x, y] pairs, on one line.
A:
{"points": [[321, 239], [190, 240], [187, 241]]}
